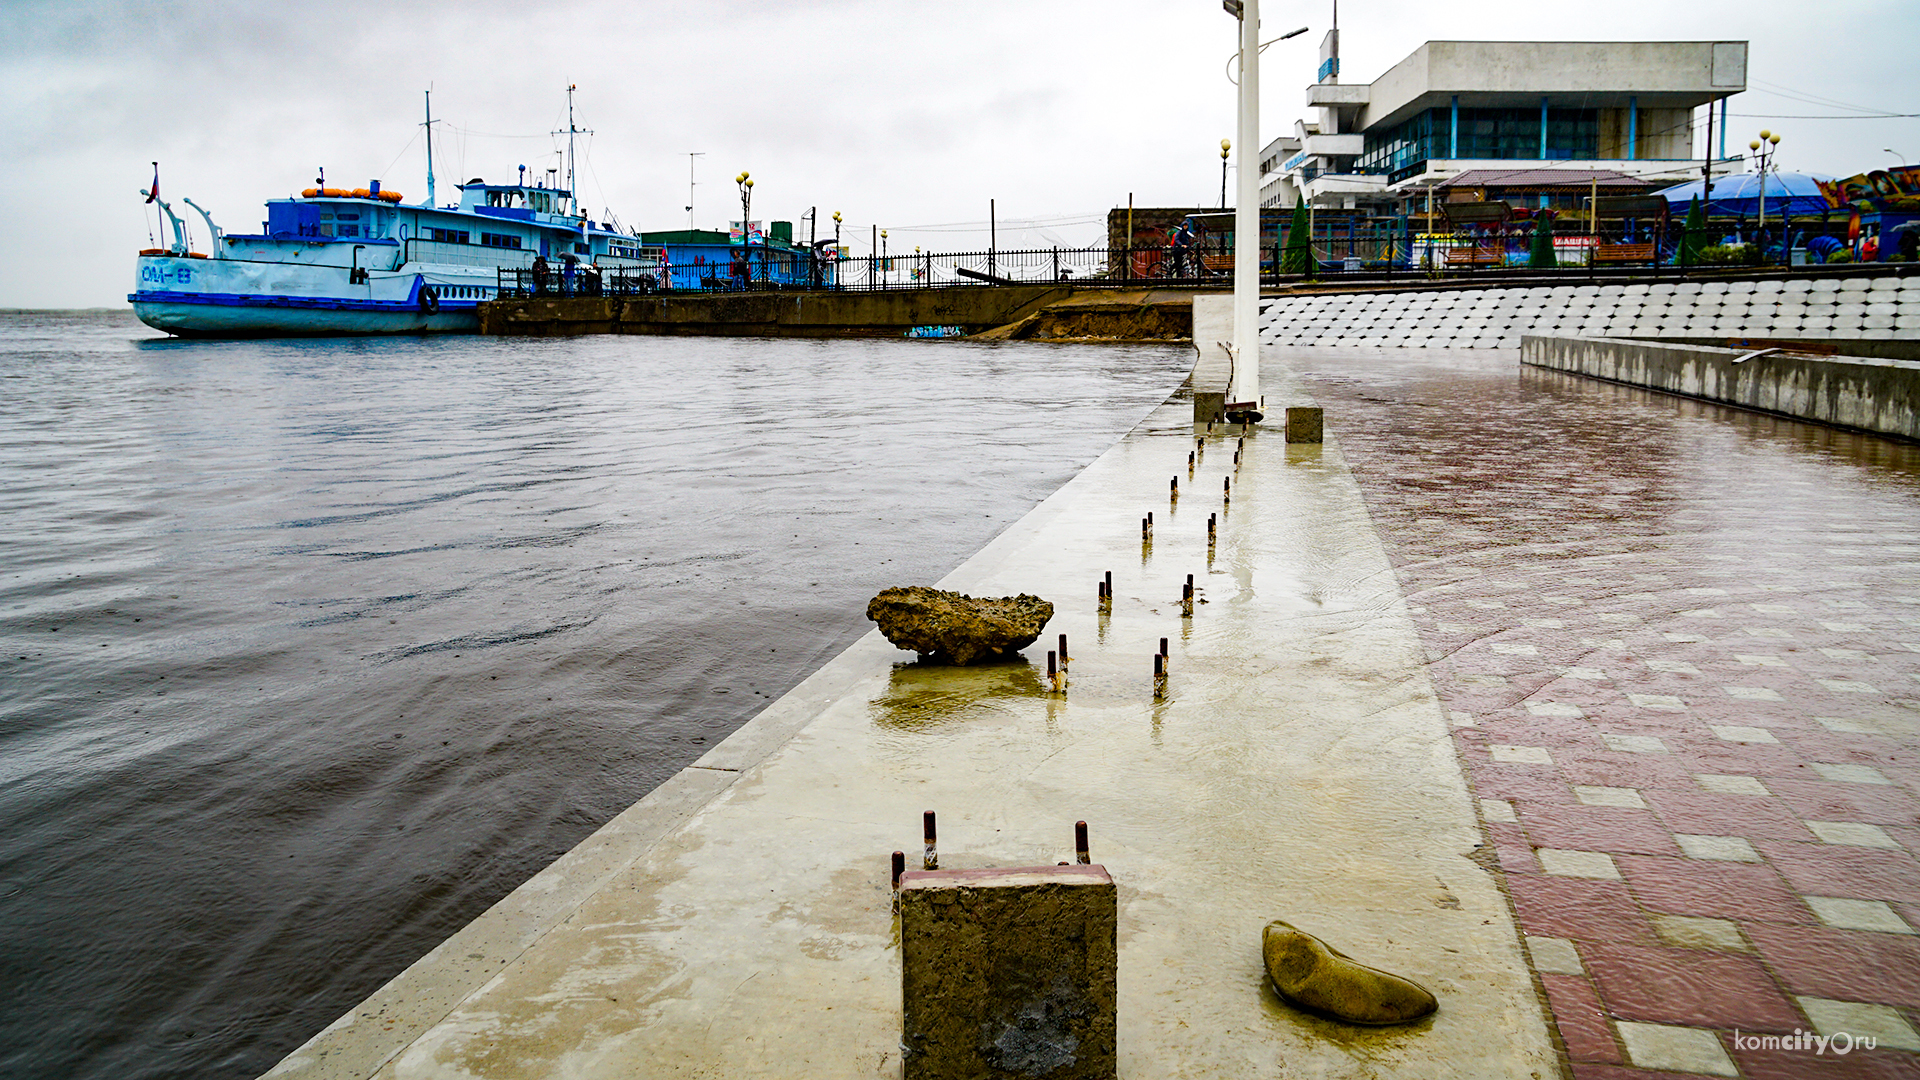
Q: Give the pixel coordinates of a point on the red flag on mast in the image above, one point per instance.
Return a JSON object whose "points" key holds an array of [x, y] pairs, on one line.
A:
{"points": [[153, 193]]}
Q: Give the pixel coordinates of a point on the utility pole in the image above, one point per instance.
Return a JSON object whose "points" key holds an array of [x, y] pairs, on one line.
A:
{"points": [[690, 156], [1706, 166], [993, 238]]}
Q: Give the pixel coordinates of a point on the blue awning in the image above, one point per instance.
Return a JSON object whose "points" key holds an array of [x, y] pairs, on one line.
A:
{"points": [[1739, 195]]}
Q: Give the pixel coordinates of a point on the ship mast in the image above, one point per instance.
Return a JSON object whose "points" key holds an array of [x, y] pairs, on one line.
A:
{"points": [[429, 126], [570, 132]]}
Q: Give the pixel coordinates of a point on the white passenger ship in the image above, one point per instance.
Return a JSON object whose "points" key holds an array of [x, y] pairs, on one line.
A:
{"points": [[364, 261]]}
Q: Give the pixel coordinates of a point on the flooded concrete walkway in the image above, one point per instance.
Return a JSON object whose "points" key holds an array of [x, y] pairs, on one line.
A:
{"points": [[1680, 648], [737, 922]]}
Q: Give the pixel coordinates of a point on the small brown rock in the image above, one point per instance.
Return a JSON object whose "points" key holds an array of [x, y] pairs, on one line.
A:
{"points": [[958, 628]]}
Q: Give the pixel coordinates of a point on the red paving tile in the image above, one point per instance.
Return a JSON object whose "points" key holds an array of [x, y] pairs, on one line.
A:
{"points": [[1722, 890], [1578, 909], [1844, 870], [1583, 1071], [1823, 800], [1583, 1025], [1710, 813], [1689, 987], [1846, 965], [1596, 828], [1858, 1064]]}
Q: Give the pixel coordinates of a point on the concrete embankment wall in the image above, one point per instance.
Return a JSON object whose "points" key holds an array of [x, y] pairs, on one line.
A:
{"points": [[1881, 396], [1877, 315], [1028, 310]]}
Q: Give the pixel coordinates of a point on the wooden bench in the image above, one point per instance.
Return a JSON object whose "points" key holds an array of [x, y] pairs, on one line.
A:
{"points": [[1624, 253], [1475, 256]]}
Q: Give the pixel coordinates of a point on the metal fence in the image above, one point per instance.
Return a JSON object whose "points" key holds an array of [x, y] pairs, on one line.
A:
{"points": [[1345, 250]]}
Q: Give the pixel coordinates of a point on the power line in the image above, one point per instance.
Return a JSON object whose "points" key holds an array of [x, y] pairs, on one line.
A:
{"points": [[1844, 116]]}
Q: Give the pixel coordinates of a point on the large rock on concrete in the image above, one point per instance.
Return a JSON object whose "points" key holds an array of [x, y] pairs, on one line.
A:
{"points": [[958, 628]]}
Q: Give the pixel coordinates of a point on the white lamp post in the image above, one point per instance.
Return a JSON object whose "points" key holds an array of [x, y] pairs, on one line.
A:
{"points": [[1243, 389]]}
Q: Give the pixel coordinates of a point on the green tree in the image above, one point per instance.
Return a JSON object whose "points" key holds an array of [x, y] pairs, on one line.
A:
{"points": [[1541, 257], [1297, 256], [1693, 234]]}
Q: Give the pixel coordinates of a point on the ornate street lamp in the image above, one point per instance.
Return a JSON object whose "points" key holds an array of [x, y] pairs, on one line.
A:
{"points": [[1764, 149], [745, 184], [1226, 147]]}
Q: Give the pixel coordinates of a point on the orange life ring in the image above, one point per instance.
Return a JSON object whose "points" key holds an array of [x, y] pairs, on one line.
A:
{"points": [[153, 251], [310, 193], [390, 196], [360, 193], [195, 255]]}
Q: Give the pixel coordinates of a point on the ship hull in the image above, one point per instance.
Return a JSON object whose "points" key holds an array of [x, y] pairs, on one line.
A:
{"points": [[241, 298], [257, 317]]}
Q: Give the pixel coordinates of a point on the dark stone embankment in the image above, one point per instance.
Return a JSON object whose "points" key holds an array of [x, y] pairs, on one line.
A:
{"points": [[1042, 312]]}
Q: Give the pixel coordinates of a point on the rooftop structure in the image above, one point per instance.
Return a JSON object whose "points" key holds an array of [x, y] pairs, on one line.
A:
{"points": [[1453, 107]]}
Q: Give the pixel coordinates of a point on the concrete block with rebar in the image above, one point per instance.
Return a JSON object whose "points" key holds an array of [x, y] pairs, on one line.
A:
{"points": [[1008, 973]]}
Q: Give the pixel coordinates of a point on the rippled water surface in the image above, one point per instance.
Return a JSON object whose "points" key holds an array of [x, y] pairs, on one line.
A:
{"points": [[309, 651]]}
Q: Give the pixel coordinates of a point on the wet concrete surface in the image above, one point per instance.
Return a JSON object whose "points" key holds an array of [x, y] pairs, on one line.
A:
{"points": [[1297, 765], [1679, 645]]}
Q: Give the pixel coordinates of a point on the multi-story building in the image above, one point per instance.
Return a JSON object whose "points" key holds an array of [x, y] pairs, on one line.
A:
{"points": [[1618, 108]]}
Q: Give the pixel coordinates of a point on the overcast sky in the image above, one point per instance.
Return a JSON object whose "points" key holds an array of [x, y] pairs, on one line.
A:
{"points": [[906, 115]]}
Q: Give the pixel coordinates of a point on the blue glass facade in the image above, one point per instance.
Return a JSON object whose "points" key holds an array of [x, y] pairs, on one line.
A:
{"points": [[1514, 134]]}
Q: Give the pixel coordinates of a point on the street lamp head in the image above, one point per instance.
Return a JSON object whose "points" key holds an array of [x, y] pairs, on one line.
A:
{"points": [[836, 217], [741, 179], [1764, 133], [1225, 145], [749, 185], [1754, 145], [1774, 139], [883, 234]]}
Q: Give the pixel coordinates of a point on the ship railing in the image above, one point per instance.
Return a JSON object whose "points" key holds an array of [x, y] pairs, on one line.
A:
{"points": [[577, 279]]}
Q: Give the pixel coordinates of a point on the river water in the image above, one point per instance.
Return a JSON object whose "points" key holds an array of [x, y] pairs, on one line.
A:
{"points": [[310, 651]]}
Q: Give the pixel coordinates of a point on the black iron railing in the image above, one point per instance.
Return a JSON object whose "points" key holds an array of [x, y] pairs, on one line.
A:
{"points": [[1340, 249]]}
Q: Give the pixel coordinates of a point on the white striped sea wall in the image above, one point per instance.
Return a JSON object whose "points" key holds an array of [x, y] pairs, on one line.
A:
{"points": [[1845, 309]]}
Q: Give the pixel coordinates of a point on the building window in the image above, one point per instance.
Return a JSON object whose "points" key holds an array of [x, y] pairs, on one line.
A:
{"points": [[499, 240]]}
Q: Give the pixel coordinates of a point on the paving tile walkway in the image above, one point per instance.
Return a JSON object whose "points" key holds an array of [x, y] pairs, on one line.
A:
{"points": [[1680, 646]]}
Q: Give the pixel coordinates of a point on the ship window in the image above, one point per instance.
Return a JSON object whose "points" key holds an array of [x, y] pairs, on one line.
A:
{"points": [[499, 240], [581, 249], [450, 236], [349, 230], [326, 228], [349, 217]]}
